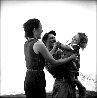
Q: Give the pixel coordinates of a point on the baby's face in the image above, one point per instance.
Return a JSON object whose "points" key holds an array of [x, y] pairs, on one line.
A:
{"points": [[75, 39]]}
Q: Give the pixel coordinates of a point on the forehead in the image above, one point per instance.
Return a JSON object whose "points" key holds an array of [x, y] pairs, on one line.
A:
{"points": [[40, 25], [76, 36], [50, 35]]}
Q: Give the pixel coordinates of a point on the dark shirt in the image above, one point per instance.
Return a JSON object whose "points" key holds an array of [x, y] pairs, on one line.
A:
{"points": [[33, 60]]}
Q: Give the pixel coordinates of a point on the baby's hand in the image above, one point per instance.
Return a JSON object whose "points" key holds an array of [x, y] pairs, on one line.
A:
{"points": [[56, 45], [74, 56]]}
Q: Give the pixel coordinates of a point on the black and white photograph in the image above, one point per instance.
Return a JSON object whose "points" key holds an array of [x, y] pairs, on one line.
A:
{"points": [[48, 49]]}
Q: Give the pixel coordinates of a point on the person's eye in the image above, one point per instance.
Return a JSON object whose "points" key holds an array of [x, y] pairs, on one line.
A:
{"points": [[50, 37]]}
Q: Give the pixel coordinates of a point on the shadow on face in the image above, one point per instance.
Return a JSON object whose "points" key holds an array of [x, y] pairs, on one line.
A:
{"points": [[51, 39]]}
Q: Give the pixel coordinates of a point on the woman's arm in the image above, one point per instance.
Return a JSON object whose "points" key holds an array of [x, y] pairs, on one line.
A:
{"points": [[46, 54], [64, 47]]}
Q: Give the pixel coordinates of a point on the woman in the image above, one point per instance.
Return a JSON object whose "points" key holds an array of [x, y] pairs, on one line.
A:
{"points": [[35, 56], [62, 88], [65, 88], [65, 76]]}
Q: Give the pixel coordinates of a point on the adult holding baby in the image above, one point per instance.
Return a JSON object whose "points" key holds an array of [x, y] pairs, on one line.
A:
{"points": [[35, 55]]}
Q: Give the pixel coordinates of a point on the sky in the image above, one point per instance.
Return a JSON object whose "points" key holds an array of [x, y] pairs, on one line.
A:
{"points": [[67, 18]]}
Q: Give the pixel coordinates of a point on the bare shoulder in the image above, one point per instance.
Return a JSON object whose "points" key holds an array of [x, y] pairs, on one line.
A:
{"points": [[39, 45]]}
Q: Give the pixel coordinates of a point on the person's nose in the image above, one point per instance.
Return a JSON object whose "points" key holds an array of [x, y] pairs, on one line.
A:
{"points": [[55, 39]]}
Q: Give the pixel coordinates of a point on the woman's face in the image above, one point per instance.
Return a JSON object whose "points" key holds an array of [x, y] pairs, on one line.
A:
{"points": [[75, 39], [39, 31], [51, 39]]}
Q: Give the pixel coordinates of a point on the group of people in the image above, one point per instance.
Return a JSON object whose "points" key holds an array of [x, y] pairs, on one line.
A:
{"points": [[61, 61]]}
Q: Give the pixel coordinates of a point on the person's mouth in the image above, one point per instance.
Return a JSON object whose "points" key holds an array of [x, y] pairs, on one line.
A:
{"points": [[53, 41]]}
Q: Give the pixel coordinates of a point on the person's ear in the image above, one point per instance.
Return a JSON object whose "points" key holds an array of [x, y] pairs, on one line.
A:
{"points": [[33, 31]]}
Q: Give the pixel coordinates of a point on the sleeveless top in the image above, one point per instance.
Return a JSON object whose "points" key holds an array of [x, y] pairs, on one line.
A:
{"points": [[33, 61]]}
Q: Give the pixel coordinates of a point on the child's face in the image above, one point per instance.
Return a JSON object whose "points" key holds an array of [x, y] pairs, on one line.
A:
{"points": [[75, 39]]}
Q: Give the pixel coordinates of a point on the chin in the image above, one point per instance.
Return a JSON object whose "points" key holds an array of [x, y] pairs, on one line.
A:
{"points": [[39, 38]]}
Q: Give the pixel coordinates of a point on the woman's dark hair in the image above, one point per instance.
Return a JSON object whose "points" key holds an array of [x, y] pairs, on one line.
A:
{"points": [[45, 37], [29, 26], [83, 39]]}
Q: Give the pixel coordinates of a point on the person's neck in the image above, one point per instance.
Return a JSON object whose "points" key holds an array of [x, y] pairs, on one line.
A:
{"points": [[49, 48], [32, 38], [35, 37]]}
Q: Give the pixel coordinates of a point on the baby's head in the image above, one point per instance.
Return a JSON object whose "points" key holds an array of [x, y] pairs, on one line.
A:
{"points": [[80, 39]]}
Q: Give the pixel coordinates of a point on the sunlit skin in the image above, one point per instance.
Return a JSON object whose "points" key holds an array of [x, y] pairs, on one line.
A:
{"points": [[76, 40], [50, 41], [38, 32]]}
